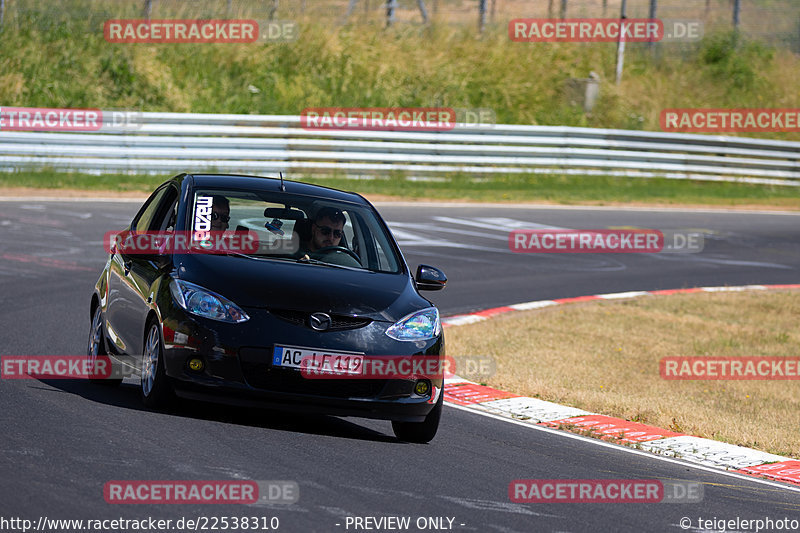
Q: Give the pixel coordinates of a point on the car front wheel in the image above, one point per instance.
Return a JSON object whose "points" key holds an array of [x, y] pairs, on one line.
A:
{"points": [[156, 390], [420, 432]]}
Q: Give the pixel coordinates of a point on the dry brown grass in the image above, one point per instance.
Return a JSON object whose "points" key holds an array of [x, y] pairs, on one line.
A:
{"points": [[603, 357]]}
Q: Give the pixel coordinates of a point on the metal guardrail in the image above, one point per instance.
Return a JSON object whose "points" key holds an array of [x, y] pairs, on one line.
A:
{"points": [[267, 144]]}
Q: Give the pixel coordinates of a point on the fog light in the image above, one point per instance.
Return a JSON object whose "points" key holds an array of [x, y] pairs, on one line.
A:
{"points": [[196, 364], [422, 387]]}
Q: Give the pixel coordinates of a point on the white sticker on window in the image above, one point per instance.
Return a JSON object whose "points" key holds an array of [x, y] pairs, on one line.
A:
{"points": [[202, 218]]}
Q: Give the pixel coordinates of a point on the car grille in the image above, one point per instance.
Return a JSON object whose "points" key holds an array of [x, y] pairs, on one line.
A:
{"points": [[338, 322], [263, 376]]}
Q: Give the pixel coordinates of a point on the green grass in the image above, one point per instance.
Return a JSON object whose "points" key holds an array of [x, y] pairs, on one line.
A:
{"points": [[503, 188], [46, 62], [49, 179]]}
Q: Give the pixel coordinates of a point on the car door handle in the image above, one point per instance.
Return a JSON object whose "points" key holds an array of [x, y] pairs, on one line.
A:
{"points": [[127, 265]]}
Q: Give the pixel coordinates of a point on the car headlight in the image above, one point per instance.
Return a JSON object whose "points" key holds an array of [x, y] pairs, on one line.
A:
{"points": [[202, 302], [419, 326]]}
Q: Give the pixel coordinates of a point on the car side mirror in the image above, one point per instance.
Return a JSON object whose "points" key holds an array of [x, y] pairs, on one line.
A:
{"points": [[161, 258], [430, 278]]}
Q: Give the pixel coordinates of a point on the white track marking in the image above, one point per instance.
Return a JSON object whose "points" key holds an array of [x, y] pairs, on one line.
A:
{"points": [[625, 449]]}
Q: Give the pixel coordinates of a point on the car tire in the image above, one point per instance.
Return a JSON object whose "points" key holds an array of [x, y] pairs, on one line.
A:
{"points": [[420, 432], [96, 348], [156, 389]]}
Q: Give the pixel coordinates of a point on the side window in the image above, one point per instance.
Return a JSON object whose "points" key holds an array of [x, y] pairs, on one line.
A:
{"points": [[168, 214], [366, 244], [144, 219]]}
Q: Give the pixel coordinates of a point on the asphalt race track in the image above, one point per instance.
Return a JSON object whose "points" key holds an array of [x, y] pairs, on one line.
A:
{"points": [[63, 440]]}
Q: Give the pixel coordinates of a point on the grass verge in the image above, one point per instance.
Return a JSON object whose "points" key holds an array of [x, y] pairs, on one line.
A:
{"points": [[604, 357], [587, 190], [58, 57]]}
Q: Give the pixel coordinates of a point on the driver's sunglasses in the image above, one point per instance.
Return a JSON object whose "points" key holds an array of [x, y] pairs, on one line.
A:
{"points": [[327, 230], [224, 218]]}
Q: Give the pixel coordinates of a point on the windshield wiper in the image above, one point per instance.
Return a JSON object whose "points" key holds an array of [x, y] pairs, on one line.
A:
{"points": [[310, 261], [223, 252]]}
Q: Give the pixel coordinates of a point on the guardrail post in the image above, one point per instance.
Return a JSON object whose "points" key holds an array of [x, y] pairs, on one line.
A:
{"points": [[2, 12], [481, 15], [148, 8]]}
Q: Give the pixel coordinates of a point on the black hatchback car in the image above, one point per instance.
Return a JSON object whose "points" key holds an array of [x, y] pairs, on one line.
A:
{"points": [[326, 277]]}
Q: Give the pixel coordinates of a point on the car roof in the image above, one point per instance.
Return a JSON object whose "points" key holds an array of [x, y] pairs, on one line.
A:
{"points": [[260, 183]]}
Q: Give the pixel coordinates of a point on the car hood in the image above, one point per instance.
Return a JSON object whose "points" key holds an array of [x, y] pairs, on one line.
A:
{"points": [[272, 284]]}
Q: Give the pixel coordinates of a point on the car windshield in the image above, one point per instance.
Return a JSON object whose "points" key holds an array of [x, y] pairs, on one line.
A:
{"points": [[294, 228]]}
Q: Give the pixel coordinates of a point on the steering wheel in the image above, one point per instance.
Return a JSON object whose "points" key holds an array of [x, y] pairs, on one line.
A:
{"points": [[328, 249]]}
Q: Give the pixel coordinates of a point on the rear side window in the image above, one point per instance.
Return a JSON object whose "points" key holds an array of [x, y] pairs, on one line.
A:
{"points": [[147, 216]]}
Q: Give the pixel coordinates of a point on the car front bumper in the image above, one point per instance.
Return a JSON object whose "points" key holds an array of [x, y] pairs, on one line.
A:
{"points": [[238, 369]]}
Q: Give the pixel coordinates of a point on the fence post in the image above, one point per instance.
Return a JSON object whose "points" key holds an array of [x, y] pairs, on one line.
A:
{"points": [[605, 8], [2, 12], [351, 5], [273, 9], [423, 11], [481, 15], [390, 7], [148, 8], [621, 44], [652, 15], [563, 11], [737, 6]]}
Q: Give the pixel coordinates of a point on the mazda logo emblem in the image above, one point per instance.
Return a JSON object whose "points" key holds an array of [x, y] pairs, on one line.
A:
{"points": [[319, 321]]}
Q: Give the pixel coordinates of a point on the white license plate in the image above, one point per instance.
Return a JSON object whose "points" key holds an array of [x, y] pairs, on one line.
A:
{"points": [[320, 361]]}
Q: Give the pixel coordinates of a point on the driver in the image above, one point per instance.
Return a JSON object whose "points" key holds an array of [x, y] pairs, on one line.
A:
{"points": [[326, 229], [220, 213]]}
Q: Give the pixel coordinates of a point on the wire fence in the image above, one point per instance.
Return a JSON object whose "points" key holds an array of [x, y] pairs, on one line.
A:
{"points": [[775, 22]]}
